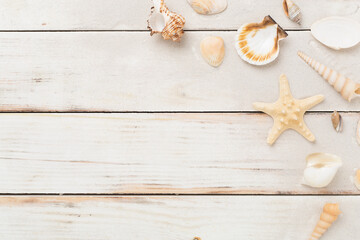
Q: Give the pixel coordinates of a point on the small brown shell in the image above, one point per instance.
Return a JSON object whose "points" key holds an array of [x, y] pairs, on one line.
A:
{"points": [[336, 120]]}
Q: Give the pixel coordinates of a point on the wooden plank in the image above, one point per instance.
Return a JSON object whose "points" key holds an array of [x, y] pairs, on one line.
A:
{"points": [[166, 153], [153, 218], [115, 71], [132, 15]]}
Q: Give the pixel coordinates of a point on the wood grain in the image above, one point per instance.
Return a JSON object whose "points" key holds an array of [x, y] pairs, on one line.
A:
{"points": [[132, 15], [153, 218], [166, 153], [117, 71]]}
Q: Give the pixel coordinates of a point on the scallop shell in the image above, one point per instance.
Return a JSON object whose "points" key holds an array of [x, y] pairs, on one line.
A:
{"points": [[330, 213], [321, 169], [345, 86], [357, 179], [336, 120], [208, 7], [337, 32], [258, 43], [169, 24], [292, 11], [213, 50]]}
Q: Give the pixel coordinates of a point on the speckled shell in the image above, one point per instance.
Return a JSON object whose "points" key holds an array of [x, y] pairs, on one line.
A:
{"points": [[169, 24], [292, 11], [345, 86], [321, 169], [330, 213], [213, 50], [258, 43], [208, 7]]}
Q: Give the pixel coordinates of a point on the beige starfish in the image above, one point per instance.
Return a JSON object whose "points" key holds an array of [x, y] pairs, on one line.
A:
{"points": [[288, 112]]}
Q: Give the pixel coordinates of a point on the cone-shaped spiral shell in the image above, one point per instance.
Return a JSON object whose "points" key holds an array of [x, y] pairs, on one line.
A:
{"points": [[292, 11], [213, 50], [169, 24], [208, 7], [321, 169], [330, 213], [345, 86], [258, 43]]}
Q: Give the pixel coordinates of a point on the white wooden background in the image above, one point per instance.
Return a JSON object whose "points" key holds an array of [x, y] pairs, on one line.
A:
{"points": [[145, 139]]}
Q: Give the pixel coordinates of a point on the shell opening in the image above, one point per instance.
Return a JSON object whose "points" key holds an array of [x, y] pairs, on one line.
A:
{"points": [[157, 22]]}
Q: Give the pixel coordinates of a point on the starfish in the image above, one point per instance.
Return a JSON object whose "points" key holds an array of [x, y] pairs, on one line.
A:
{"points": [[288, 112]]}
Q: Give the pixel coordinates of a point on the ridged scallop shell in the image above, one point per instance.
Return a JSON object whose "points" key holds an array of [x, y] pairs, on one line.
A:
{"points": [[292, 11], [345, 86], [330, 213], [321, 169], [169, 24], [258, 43], [337, 32], [213, 50], [208, 7], [357, 179]]}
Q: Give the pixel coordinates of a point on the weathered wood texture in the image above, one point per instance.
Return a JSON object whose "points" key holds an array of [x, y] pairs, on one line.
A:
{"points": [[122, 71], [166, 153], [174, 218], [132, 15]]}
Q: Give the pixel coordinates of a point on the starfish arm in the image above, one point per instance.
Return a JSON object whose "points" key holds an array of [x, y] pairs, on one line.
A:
{"points": [[310, 102], [284, 86], [275, 132], [305, 131], [267, 108]]}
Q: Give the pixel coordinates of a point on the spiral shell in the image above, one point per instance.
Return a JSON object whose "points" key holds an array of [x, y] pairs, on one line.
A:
{"points": [[330, 213], [169, 24], [292, 11], [345, 86], [208, 7], [213, 50], [258, 43]]}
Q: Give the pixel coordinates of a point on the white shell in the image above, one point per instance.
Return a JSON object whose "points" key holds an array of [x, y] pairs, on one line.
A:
{"points": [[213, 50], [337, 32], [357, 179], [321, 169], [258, 43], [208, 7], [343, 85], [162, 20]]}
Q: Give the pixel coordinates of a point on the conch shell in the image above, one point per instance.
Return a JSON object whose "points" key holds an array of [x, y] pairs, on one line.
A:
{"points": [[321, 169], [213, 50], [208, 7], [258, 43], [345, 86], [292, 11], [169, 24], [330, 213]]}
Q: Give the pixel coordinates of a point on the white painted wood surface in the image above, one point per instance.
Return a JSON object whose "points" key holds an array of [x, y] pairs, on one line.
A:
{"points": [[166, 153], [174, 218], [127, 71], [132, 15]]}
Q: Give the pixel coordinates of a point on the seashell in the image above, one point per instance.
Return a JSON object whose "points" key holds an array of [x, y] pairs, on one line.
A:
{"points": [[330, 213], [213, 50], [292, 11], [336, 120], [357, 179], [345, 86], [169, 24], [208, 7], [337, 32], [258, 43], [321, 169], [358, 133]]}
